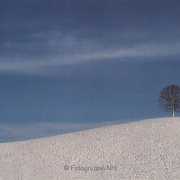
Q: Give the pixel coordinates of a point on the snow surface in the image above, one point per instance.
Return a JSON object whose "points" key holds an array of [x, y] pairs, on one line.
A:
{"points": [[148, 149]]}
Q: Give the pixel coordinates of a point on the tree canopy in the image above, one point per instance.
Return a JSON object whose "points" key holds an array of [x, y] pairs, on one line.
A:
{"points": [[169, 98]]}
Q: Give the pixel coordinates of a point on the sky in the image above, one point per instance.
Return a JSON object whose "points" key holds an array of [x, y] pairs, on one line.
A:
{"points": [[70, 65]]}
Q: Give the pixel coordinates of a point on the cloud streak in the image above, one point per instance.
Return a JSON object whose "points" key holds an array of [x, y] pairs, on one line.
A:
{"points": [[69, 50], [27, 131], [58, 34]]}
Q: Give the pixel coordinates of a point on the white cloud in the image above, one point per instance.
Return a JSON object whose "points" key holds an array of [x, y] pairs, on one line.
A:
{"points": [[58, 49], [25, 131]]}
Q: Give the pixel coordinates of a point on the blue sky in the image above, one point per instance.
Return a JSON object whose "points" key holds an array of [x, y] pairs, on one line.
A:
{"points": [[75, 65]]}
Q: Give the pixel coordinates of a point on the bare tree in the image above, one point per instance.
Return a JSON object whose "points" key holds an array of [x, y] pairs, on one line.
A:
{"points": [[169, 98]]}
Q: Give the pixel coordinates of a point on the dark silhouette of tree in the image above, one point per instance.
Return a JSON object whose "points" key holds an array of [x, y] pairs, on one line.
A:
{"points": [[169, 98]]}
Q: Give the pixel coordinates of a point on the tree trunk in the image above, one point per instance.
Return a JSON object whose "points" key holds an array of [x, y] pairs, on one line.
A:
{"points": [[173, 112], [173, 106]]}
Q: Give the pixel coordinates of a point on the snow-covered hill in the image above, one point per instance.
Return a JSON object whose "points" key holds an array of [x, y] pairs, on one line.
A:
{"points": [[147, 149]]}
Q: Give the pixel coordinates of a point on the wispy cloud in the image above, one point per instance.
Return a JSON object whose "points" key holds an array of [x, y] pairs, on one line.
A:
{"points": [[56, 48], [27, 131], [72, 34]]}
